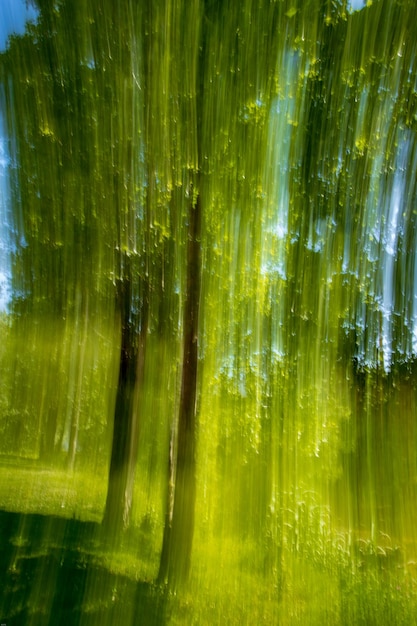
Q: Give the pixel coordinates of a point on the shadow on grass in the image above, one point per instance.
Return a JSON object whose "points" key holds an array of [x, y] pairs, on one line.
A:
{"points": [[48, 576]]}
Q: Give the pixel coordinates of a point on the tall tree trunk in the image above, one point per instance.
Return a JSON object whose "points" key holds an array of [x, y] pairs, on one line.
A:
{"points": [[126, 417], [179, 525]]}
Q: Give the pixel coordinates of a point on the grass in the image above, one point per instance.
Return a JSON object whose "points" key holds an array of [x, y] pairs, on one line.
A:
{"points": [[50, 492], [234, 580]]}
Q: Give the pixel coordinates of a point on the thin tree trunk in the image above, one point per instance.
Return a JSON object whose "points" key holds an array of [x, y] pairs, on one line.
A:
{"points": [[126, 418], [135, 421], [179, 524]]}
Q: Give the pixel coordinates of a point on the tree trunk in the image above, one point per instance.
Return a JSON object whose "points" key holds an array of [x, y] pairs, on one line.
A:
{"points": [[126, 418], [179, 524]]}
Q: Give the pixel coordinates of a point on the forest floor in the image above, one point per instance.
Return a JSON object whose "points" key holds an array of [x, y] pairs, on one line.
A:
{"points": [[27, 488], [51, 532]]}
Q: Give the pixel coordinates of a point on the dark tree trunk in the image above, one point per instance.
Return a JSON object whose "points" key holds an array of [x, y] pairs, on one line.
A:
{"points": [[126, 415], [179, 524]]}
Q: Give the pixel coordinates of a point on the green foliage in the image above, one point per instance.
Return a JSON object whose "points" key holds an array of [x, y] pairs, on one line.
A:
{"points": [[294, 124]]}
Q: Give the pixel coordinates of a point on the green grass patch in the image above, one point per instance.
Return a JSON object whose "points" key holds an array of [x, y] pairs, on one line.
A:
{"points": [[46, 491]]}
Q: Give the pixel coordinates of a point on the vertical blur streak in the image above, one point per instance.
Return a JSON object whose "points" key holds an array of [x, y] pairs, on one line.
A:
{"points": [[125, 427], [5, 216], [208, 274], [179, 525]]}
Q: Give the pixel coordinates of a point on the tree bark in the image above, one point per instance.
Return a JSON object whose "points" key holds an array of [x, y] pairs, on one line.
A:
{"points": [[126, 415], [179, 525]]}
